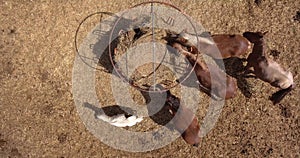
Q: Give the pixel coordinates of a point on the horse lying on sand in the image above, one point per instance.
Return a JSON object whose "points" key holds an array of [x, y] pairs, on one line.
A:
{"points": [[184, 120], [211, 81], [223, 45], [266, 69]]}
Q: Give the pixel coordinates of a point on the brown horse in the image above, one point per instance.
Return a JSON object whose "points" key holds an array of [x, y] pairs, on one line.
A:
{"points": [[227, 45], [184, 120], [267, 69], [210, 80]]}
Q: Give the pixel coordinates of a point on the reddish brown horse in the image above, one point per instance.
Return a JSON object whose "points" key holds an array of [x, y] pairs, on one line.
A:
{"points": [[184, 120], [227, 45], [267, 69], [211, 80]]}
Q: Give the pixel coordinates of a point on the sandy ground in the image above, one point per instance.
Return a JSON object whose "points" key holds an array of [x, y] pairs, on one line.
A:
{"points": [[39, 118]]}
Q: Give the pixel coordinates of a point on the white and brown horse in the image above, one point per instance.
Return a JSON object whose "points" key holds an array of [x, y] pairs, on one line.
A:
{"points": [[266, 69]]}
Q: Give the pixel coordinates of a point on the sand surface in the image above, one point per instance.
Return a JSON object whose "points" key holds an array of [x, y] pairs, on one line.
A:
{"points": [[39, 118]]}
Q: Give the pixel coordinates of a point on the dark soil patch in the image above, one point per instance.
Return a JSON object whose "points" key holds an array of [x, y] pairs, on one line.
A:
{"points": [[297, 16]]}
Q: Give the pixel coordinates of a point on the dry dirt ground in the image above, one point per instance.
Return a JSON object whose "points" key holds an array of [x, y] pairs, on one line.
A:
{"points": [[39, 118]]}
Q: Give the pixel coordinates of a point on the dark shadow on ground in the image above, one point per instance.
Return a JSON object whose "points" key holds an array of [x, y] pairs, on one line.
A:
{"points": [[157, 109], [110, 110]]}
